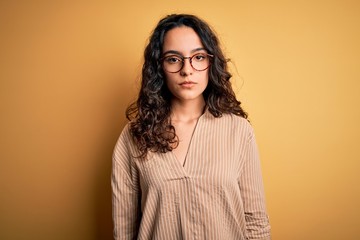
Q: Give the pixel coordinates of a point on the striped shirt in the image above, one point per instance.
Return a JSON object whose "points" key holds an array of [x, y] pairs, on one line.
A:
{"points": [[217, 194]]}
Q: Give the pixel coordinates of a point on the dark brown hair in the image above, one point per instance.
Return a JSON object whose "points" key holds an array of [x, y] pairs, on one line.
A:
{"points": [[150, 124]]}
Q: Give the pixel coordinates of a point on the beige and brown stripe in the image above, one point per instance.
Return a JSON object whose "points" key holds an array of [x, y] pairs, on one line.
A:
{"points": [[217, 194]]}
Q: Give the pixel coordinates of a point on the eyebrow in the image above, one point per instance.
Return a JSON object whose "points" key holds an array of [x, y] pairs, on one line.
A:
{"points": [[178, 53]]}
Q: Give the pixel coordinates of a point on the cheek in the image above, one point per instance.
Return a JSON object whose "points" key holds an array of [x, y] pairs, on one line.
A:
{"points": [[168, 80], [170, 84], [206, 77]]}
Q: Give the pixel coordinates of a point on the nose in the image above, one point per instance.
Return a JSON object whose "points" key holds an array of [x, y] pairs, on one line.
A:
{"points": [[187, 69]]}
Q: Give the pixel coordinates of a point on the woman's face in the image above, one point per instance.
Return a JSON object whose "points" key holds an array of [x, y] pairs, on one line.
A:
{"points": [[187, 84]]}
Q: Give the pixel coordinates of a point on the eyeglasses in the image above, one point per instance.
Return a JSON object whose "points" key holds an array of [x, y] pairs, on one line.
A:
{"points": [[174, 63]]}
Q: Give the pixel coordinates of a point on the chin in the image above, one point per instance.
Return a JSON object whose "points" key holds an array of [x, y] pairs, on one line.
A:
{"points": [[189, 97]]}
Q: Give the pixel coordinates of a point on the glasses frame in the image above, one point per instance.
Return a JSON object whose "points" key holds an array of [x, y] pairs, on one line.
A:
{"points": [[183, 61]]}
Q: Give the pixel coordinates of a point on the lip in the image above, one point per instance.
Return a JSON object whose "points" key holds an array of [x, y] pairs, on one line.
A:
{"points": [[187, 84]]}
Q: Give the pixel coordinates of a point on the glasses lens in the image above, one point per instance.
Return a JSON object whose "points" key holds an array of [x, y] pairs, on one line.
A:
{"points": [[200, 61], [172, 63]]}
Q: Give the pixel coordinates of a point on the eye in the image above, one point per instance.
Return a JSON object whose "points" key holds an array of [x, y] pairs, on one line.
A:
{"points": [[172, 59], [199, 57]]}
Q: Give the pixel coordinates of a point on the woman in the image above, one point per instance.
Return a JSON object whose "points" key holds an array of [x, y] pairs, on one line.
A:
{"points": [[187, 166]]}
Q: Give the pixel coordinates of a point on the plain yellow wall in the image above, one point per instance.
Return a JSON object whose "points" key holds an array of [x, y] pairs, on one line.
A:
{"points": [[68, 71]]}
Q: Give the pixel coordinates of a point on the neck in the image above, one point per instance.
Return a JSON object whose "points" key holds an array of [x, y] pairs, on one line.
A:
{"points": [[187, 110]]}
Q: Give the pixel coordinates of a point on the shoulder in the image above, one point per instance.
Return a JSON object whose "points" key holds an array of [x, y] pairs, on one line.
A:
{"points": [[237, 126], [125, 134], [236, 120], [125, 142], [230, 119], [240, 125]]}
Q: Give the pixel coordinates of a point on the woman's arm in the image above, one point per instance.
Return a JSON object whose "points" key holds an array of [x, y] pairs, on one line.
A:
{"points": [[252, 191], [125, 192]]}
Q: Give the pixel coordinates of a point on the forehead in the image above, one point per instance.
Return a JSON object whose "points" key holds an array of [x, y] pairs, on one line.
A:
{"points": [[181, 39]]}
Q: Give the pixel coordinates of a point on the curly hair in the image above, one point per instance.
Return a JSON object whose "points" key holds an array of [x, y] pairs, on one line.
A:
{"points": [[150, 124]]}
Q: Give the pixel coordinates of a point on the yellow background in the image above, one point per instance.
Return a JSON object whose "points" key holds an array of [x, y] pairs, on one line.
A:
{"points": [[68, 70]]}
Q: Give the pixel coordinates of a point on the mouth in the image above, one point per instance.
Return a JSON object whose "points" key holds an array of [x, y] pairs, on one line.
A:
{"points": [[187, 83]]}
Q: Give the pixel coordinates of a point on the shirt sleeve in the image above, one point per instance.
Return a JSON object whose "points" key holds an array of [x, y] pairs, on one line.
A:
{"points": [[252, 191], [125, 191]]}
